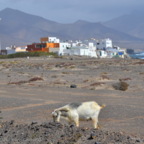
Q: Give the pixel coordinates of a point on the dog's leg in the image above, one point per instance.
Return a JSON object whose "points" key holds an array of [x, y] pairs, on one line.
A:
{"points": [[95, 122], [76, 121]]}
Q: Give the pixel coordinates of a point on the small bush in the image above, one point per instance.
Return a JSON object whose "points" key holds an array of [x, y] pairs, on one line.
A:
{"points": [[105, 77], [124, 79], [28, 54], [123, 86], [0, 117], [35, 79], [26, 81], [97, 84]]}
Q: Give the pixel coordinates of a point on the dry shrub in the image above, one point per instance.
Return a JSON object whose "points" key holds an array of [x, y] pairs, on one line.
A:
{"points": [[123, 86], [124, 79], [18, 83], [72, 66], [105, 77], [85, 80], [97, 84], [30, 80], [65, 72], [104, 73], [35, 79], [141, 73], [0, 117], [140, 62], [54, 76], [65, 65], [59, 82]]}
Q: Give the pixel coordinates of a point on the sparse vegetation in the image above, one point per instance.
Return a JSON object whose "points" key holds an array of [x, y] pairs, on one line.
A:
{"points": [[65, 72], [30, 80], [124, 79], [0, 117], [105, 77], [97, 84], [121, 85], [28, 54], [38, 85]]}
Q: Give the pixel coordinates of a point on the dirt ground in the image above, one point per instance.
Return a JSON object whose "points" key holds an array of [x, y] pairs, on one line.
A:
{"points": [[30, 89]]}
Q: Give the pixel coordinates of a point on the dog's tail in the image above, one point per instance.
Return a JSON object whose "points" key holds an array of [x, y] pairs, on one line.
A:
{"points": [[103, 106]]}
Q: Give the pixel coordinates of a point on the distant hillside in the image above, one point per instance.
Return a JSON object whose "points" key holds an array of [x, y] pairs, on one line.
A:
{"points": [[132, 24], [20, 28], [85, 30]]}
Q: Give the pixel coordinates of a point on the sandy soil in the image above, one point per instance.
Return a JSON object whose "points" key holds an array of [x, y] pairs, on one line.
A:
{"points": [[30, 89]]}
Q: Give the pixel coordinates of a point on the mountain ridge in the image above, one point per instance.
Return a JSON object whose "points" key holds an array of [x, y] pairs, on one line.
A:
{"points": [[131, 24], [17, 27]]}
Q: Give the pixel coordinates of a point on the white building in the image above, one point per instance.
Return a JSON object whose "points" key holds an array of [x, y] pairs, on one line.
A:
{"points": [[50, 40], [77, 43], [102, 54], [104, 44], [10, 50], [21, 49], [54, 40], [63, 46], [84, 50]]}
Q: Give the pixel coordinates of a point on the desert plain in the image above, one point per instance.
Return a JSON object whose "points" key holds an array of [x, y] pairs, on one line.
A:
{"points": [[31, 88]]}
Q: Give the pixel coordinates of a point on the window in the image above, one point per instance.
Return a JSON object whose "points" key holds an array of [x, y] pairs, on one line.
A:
{"points": [[40, 45]]}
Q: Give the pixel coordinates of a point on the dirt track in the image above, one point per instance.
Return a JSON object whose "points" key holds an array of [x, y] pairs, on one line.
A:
{"points": [[25, 101]]}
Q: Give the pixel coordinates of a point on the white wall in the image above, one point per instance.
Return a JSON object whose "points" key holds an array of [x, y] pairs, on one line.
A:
{"points": [[102, 54], [53, 39], [63, 46], [80, 52], [105, 43]]}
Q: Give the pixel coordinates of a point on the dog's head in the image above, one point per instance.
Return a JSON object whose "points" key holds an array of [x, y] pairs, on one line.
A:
{"points": [[56, 116]]}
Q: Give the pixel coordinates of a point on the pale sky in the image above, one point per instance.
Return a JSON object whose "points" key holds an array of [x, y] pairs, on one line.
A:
{"points": [[69, 11]]}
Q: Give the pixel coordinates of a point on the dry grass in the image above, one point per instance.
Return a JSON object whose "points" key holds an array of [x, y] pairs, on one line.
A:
{"points": [[105, 77], [28, 81], [97, 84], [65, 72], [54, 76], [124, 79], [140, 63], [123, 86]]}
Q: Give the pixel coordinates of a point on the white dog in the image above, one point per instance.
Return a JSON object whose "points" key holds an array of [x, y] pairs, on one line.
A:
{"points": [[75, 112]]}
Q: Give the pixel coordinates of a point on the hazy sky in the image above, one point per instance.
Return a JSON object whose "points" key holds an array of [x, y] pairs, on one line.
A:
{"points": [[68, 11]]}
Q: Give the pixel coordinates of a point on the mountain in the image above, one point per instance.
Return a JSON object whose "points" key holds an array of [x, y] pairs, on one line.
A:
{"points": [[20, 28], [132, 24], [85, 30]]}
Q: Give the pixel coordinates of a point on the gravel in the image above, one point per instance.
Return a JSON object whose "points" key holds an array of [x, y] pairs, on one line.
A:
{"points": [[56, 133]]}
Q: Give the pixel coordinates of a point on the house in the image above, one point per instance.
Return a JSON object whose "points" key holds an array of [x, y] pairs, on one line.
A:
{"points": [[111, 52], [80, 49], [49, 40], [21, 49], [101, 54], [104, 44], [3, 52], [63, 46], [10, 50], [47, 44]]}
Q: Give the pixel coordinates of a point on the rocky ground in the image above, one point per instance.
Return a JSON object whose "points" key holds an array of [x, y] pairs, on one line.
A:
{"points": [[56, 133], [30, 89]]}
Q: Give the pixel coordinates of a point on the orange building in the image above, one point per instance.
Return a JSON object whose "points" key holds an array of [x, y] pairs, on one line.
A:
{"points": [[43, 47]]}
